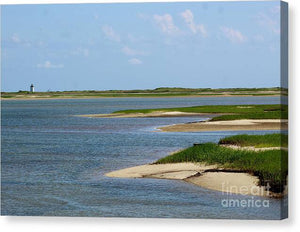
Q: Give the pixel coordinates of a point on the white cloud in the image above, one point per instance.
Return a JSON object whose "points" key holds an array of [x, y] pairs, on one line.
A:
{"points": [[270, 23], [166, 24], [188, 17], [47, 64], [15, 38], [134, 61], [132, 52], [81, 52], [233, 35], [110, 33]]}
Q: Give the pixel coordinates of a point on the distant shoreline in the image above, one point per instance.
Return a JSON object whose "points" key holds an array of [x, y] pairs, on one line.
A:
{"points": [[146, 93], [103, 97]]}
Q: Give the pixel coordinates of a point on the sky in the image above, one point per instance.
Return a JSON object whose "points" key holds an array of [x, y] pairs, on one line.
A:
{"points": [[140, 46]]}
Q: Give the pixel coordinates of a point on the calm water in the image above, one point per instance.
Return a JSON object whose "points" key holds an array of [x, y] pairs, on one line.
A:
{"points": [[53, 162]]}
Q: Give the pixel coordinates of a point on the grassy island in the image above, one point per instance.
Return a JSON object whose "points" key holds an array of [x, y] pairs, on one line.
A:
{"points": [[225, 112], [271, 166]]}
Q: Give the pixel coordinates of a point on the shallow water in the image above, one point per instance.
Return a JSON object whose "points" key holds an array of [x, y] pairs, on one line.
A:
{"points": [[53, 162]]}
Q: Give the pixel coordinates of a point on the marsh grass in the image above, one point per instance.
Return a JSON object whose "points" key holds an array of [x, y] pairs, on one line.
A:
{"points": [[271, 166], [229, 112], [267, 140]]}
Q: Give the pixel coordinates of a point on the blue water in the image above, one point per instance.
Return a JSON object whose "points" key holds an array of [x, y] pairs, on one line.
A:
{"points": [[53, 162]]}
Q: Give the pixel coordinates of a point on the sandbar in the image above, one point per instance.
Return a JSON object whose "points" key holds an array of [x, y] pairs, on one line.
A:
{"points": [[147, 115], [230, 125]]}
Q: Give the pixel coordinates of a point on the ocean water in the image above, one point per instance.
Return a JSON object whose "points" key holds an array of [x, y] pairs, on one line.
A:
{"points": [[53, 162]]}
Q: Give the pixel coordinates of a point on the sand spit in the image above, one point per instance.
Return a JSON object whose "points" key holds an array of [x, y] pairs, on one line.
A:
{"points": [[230, 125], [179, 171], [147, 115], [206, 176]]}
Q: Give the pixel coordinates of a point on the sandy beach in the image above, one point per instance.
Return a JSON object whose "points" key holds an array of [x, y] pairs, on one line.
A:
{"points": [[206, 176], [231, 125]]}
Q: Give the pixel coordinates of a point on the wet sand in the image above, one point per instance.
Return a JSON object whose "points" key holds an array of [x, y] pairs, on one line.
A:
{"points": [[206, 176]]}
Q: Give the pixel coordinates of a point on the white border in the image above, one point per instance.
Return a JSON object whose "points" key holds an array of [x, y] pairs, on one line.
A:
{"points": [[31, 224]]}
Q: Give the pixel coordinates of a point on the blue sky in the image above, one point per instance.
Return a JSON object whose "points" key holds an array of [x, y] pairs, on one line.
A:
{"points": [[140, 46]]}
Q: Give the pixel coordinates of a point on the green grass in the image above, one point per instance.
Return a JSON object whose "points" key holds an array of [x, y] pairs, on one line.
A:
{"points": [[231, 112], [267, 140], [270, 166]]}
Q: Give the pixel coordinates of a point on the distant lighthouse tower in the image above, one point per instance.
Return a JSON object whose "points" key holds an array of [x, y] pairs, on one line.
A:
{"points": [[32, 88]]}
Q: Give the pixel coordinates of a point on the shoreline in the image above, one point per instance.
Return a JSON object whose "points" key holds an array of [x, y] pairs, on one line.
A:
{"points": [[228, 181], [101, 97], [206, 176], [230, 125]]}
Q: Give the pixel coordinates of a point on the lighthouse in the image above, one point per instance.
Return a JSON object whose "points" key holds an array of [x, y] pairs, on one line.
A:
{"points": [[32, 88]]}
